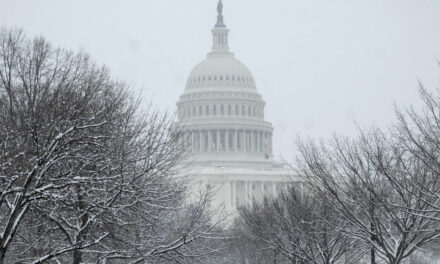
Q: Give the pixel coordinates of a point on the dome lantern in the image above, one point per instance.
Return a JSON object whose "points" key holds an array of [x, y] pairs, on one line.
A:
{"points": [[220, 33]]}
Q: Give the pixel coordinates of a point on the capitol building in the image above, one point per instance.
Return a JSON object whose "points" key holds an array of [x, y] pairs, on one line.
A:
{"points": [[222, 117]]}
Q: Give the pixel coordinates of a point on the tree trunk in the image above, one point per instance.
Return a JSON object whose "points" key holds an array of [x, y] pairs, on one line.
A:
{"points": [[2, 255], [372, 254], [372, 228], [77, 256]]}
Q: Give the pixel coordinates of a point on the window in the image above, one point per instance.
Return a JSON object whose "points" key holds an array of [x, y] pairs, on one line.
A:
{"points": [[255, 111], [249, 110], [214, 110], [243, 111], [200, 110], [194, 111], [207, 110], [222, 110], [229, 110]]}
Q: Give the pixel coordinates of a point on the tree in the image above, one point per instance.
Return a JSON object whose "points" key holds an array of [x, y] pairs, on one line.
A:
{"points": [[302, 228], [242, 248], [376, 185], [78, 154], [418, 133]]}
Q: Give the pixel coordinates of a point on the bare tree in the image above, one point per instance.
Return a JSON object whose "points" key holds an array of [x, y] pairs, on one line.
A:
{"points": [[78, 154], [303, 229], [419, 133], [375, 184], [241, 248]]}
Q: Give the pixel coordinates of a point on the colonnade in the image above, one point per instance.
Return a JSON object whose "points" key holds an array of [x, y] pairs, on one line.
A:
{"points": [[243, 192], [229, 140]]}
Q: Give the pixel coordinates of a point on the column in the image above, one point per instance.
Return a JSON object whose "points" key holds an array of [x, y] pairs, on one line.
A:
{"points": [[252, 141], [234, 140], [209, 140], [200, 141], [257, 141], [193, 141], [238, 140], [227, 140], [218, 140], [256, 144], [244, 141]]}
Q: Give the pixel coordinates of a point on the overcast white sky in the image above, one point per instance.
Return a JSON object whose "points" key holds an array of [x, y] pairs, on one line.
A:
{"points": [[319, 64]]}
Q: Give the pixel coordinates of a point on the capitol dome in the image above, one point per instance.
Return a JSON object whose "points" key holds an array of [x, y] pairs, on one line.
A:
{"points": [[221, 111], [221, 70]]}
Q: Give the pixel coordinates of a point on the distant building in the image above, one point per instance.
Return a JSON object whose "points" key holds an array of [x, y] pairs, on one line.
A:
{"points": [[222, 115]]}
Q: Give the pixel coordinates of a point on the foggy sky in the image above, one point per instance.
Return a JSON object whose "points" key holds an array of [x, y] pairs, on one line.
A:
{"points": [[320, 65]]}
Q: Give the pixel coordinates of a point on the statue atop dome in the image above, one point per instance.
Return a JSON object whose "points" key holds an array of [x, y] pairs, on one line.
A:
{"points": [[220, 22], [220, 7]]}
